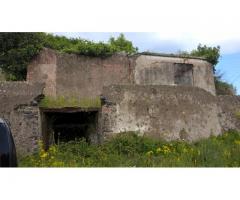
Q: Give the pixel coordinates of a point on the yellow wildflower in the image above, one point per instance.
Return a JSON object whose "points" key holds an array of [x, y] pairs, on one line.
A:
{"points": [[237, 142], [53, 149], [149, 153], [44, 155], [166, 149], [158, 150]]}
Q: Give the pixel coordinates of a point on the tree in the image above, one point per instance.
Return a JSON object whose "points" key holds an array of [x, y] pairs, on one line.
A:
{"points": [[16, 51], [212, 54], [122, 44]]}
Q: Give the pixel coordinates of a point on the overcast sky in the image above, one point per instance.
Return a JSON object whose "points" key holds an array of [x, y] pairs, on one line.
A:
{"points": [[229, 64]]}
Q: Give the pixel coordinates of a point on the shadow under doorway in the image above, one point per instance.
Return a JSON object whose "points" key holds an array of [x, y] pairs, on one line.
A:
{"points": [[64, 125]]}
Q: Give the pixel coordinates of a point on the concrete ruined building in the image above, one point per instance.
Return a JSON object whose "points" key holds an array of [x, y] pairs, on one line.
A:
{"points": [[158, 95]]}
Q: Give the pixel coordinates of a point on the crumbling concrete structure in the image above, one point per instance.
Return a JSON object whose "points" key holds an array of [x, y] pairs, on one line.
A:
{"points": [[168, 112], [82, 76], [162, 96], [19, 106]]}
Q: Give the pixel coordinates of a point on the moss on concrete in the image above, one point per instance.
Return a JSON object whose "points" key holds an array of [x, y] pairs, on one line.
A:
{"points": [[237, 114], [73, 102], [2, 77]]}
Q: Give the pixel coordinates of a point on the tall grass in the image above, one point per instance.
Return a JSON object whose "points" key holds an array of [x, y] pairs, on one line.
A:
{"points": [[130, 150]]}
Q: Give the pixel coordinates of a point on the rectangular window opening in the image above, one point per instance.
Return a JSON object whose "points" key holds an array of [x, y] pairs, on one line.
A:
{"points": [[183, 74]]}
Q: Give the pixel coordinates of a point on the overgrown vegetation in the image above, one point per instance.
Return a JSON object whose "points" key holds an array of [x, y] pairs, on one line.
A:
{"points": [[224, 88], [130, 150], [212, 55], [89, 48], [18, 49], [63, 102]]}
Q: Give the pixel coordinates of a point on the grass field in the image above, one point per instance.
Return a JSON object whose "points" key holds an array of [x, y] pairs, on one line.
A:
{"points": [[130, 150]]}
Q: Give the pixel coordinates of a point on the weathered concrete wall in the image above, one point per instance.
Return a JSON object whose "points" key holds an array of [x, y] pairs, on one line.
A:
{"points": [[25, 127], [169, 112], [78, 76], [152, 94], [43, 70], [19, 108], [157, 70], [84, 76], [230, 112], [14, 94]]}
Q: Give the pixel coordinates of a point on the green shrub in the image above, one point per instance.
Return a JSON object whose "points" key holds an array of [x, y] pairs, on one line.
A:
{"points": [[18, 49], [129, 149], [122, 44], [212, 54], [224, 88]]}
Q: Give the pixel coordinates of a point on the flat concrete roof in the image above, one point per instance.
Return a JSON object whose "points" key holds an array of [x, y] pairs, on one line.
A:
{"points": [[171, 55]]}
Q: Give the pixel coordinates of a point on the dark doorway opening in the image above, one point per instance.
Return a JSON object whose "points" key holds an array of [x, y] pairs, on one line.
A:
{"points": [[64, 126]]}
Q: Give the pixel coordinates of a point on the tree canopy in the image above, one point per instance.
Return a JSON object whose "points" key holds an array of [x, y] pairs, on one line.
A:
{"points": [[212, 54], [122, 44], [18, 49]]}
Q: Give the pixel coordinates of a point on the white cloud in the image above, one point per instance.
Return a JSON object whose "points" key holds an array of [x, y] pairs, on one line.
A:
{"points": [[185, 23], [162, 42], [182, 22]]}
